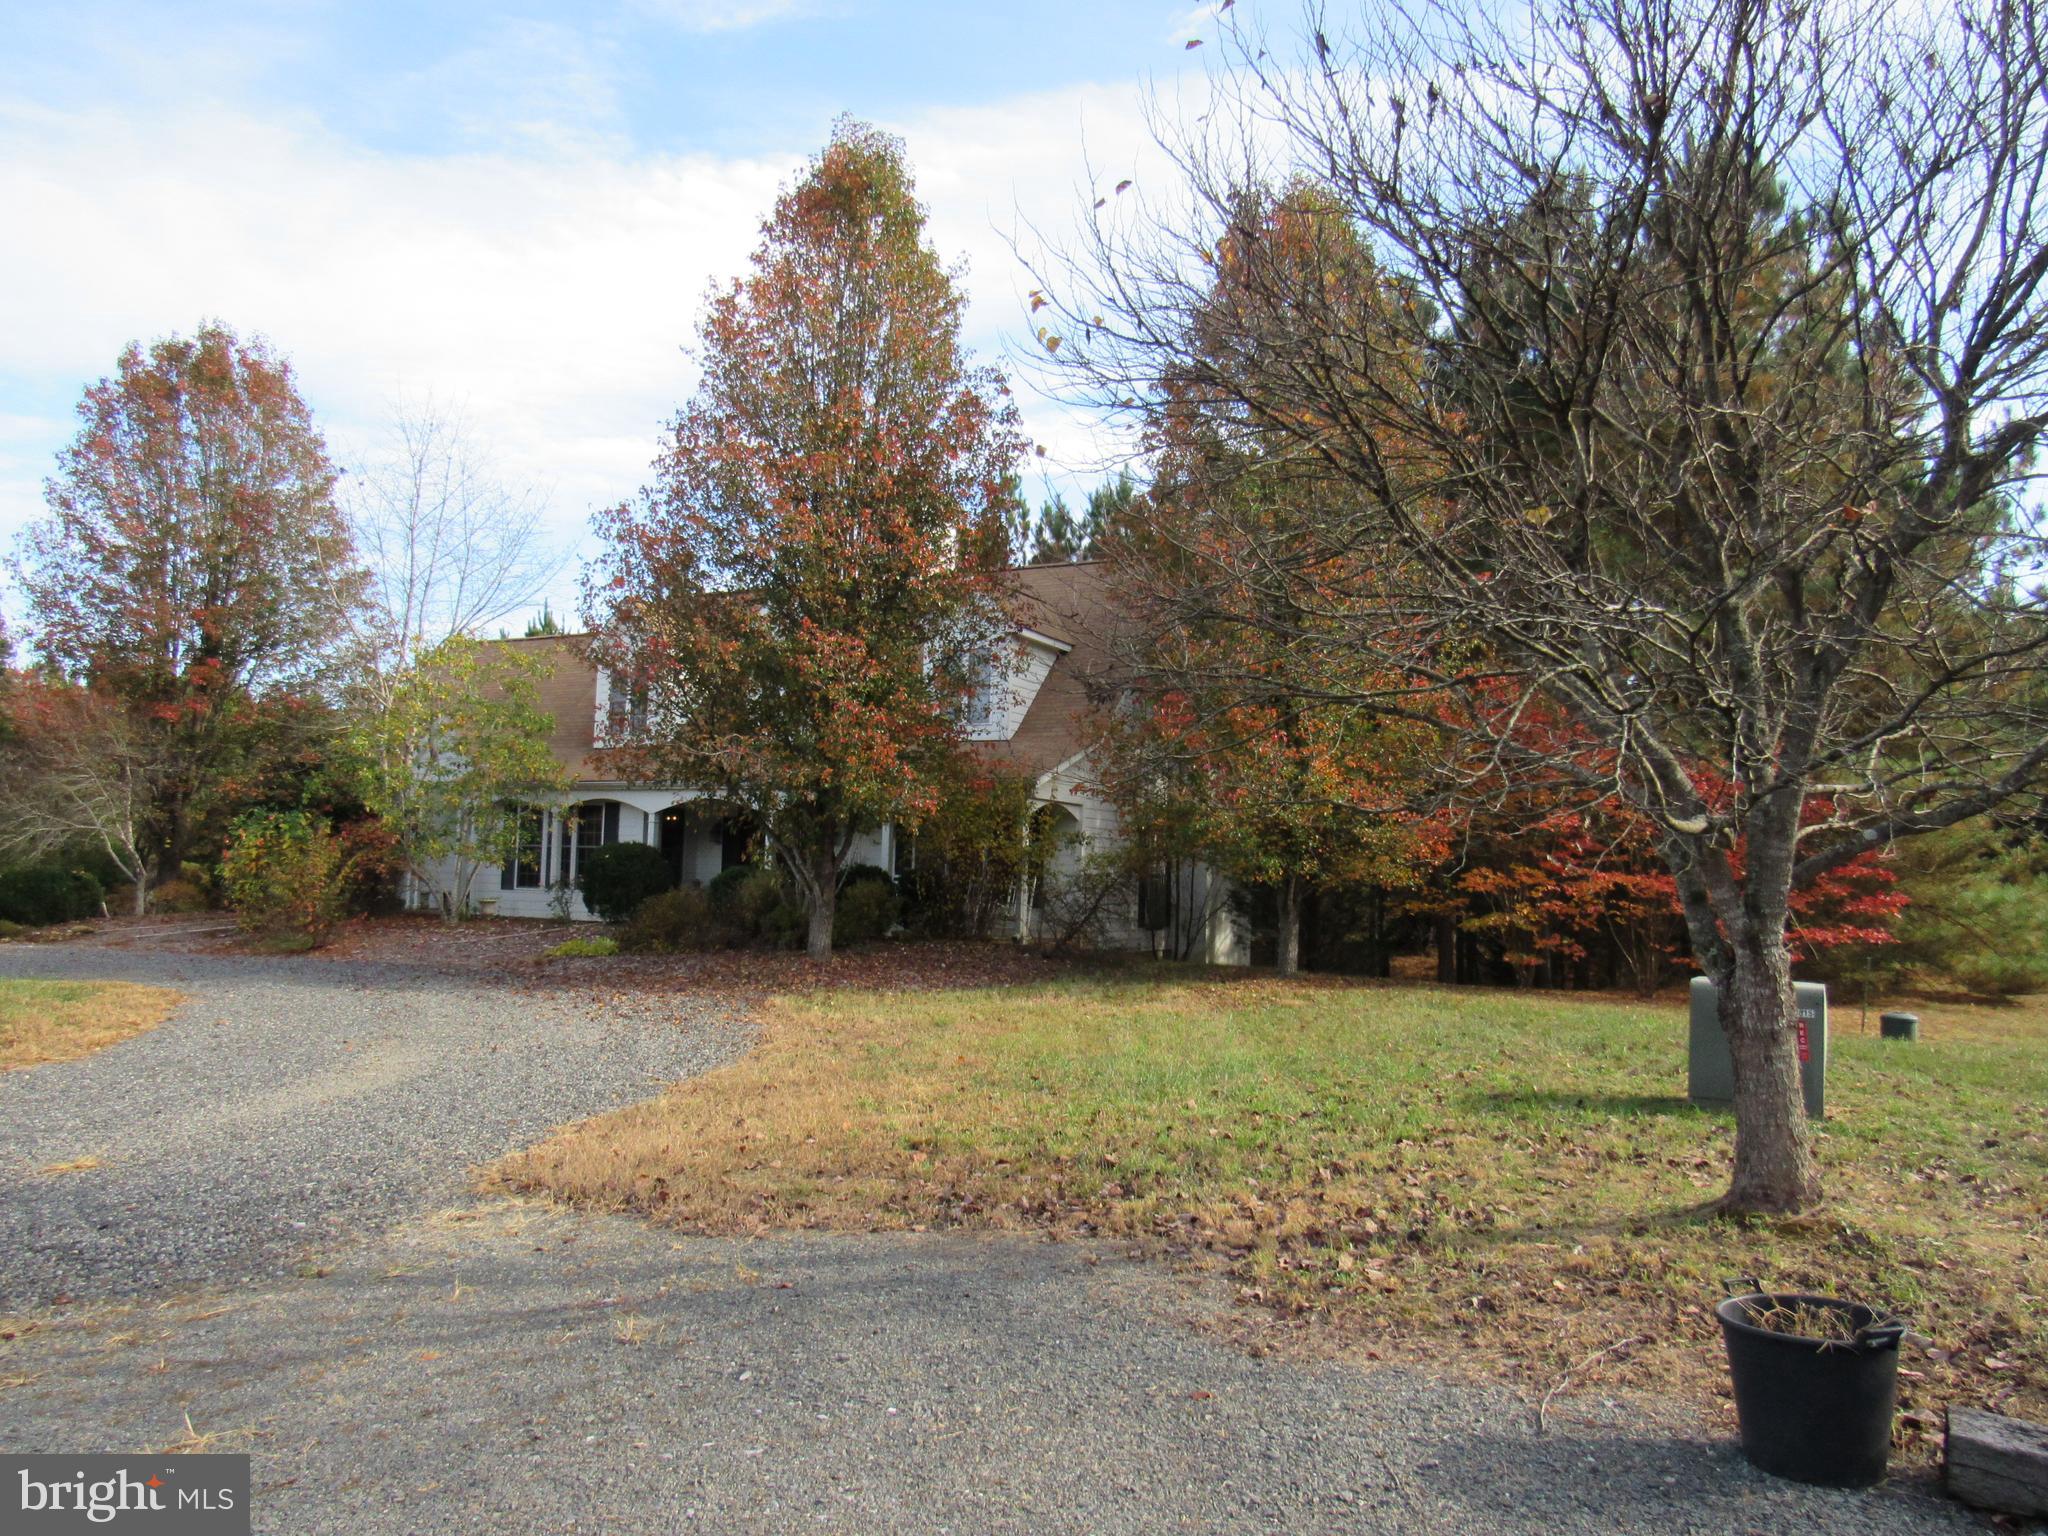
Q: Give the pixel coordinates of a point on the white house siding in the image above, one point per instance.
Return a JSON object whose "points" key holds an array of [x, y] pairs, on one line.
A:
{"points": [[1000, 708], [639, 822], [1068, 786], [874, 848], [1096, 826]]}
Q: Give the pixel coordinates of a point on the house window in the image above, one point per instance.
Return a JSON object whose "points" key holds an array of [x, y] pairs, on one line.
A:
{"points": [[985, 716], [1155, 902], [980, 709], [597, 824], [735, 840], [625, 708], [523, 870]]}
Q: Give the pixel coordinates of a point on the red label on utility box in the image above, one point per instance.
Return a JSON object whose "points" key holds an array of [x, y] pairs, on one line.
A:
{"points": [[1804, 1052]]}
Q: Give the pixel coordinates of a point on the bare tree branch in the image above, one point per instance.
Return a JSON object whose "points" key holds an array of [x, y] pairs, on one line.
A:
{"points": [[1694, 413], [451, 548]]}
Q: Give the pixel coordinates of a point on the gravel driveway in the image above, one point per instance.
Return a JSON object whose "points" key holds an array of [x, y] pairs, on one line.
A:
{"points": [[502, 1369], [290, 1104], [451, 1365]]}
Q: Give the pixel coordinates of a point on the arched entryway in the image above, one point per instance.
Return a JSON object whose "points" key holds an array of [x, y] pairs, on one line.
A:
{"points": [[1053, 856]]}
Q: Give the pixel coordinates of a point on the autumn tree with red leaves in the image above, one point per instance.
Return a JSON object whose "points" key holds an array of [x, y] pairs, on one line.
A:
{"points": [[806, 596], [191, 565], [1734, 318], [1580, 896]]}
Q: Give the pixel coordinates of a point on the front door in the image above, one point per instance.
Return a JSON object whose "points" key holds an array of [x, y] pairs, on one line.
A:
{"points": [[675, 831]]}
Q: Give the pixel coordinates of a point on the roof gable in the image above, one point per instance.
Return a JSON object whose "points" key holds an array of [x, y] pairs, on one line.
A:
{"points": [[1060, 616], [1067, 604]]}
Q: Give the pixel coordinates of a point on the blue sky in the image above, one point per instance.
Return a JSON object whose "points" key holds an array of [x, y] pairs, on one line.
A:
{"points": [[513, 210]]}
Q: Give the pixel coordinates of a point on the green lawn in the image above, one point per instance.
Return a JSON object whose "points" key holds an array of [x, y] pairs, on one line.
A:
{"points": [[44, 1021], [1460, 1174]]}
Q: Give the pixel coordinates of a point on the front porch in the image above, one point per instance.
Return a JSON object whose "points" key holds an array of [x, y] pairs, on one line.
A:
{"points": [[698, 837]]}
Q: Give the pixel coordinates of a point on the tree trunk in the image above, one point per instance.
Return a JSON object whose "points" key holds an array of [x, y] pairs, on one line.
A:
{"points": [[142, 894], [824, 901], [1737, 929], [1774, 1167], [456, 898], [1288, 959], [1446, 949]]}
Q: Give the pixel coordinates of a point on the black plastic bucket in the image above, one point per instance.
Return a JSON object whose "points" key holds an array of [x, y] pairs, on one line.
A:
{"points": [[1814, 1410]]}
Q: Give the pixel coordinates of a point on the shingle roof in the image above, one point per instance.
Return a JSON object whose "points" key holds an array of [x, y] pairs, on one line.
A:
{"points": [[568, 691], [1070, 603], [1066, 602]]}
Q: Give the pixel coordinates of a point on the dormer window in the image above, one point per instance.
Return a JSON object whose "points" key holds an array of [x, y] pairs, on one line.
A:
{"points": [[1008, 683], [624, 715], [982, 702]]}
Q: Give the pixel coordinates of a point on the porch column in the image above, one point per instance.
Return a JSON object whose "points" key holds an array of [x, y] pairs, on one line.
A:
{"points": [[1024, 883]]}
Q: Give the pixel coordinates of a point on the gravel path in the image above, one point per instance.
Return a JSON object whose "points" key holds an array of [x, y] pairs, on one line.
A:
{"points": [[290, 1104], [504, 1369]]}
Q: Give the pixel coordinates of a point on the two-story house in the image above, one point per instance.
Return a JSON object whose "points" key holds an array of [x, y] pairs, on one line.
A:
{"points": [[1032, 716]]}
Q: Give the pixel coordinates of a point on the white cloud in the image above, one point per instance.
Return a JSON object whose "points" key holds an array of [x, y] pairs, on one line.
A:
{"points": [[547, 296], [545, 290], [1007, 181], [1197, 21], [533, 84]]}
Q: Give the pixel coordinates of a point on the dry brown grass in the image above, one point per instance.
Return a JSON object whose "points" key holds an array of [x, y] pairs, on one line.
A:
{"points": [[195, 1442], [1470, 1178], [46, 1021], [85, 1164]]}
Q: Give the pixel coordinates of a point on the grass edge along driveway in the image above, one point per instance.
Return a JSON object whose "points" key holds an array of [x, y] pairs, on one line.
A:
{"points": [[1480, 1180], [49, 1021]]}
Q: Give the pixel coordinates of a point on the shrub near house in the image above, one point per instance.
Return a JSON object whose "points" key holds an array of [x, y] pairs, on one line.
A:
{"points": [[618, 878], [750, 905], [286, 876], [49, 891]]}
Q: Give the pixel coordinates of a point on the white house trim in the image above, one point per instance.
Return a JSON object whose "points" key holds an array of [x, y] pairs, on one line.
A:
{"points": [[1036, 638]]}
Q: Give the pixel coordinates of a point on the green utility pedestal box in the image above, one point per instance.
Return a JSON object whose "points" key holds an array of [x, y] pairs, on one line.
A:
{"points": [[1710, 1078]]}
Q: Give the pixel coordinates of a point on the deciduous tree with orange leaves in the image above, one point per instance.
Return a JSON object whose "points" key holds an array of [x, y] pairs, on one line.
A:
{"points": [[805, 598], [192, 565], [1245, 719]]}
